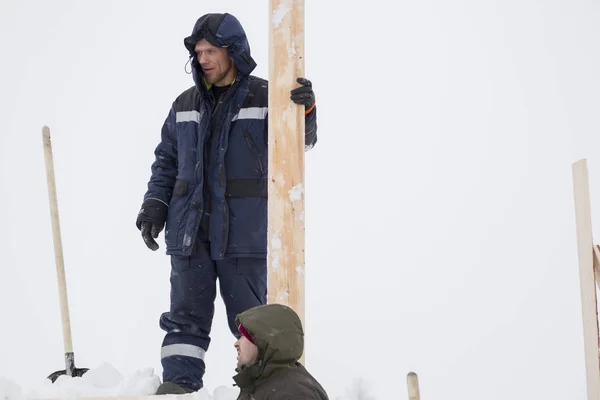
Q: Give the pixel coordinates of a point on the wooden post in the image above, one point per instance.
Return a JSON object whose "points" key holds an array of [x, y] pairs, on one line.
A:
{"points": [[286, 157], [413, 386], [587, 277]]}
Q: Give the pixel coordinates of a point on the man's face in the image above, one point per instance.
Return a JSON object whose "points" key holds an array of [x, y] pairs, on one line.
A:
{"points": [[247, 352], [217, 66]]}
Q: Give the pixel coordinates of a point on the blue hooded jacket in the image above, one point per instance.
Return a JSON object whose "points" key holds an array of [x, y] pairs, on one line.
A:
{"points": [[212, 157]]}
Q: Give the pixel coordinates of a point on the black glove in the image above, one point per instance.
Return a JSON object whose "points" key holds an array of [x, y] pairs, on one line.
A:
{"points": [[151, 220], [304, 94]]}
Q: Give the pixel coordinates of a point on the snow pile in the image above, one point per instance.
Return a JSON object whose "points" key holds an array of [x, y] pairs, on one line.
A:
{"points": [[103, 381], [9, 390]]}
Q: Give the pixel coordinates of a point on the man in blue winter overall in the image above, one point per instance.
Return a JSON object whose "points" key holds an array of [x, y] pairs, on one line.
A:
{"points": [[209, 186]]}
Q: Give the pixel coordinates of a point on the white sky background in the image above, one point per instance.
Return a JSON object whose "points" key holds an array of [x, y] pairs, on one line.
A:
{"points": [[440, 221]]}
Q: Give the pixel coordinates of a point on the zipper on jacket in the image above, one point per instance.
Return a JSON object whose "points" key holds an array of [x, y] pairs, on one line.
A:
{"points": [[217, 122]]}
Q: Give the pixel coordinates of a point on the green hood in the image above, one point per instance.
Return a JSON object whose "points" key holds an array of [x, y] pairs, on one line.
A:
{"points": [[278, 334]]}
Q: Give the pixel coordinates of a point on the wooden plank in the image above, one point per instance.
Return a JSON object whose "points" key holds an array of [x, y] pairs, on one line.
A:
{"points": [[286, 157], [585, 251]]}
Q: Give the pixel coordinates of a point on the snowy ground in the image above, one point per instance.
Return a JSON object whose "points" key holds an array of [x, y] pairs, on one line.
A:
{"points": [[103, 380]]}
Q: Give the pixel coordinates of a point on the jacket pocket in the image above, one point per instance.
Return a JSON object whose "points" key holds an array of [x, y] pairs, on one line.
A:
{"points": [[176, 216], [255, 153], [247, 226], [180, 188]]}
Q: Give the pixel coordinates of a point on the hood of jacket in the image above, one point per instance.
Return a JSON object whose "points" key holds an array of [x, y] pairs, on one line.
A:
{"points": [[277, 332], [221, 30]]}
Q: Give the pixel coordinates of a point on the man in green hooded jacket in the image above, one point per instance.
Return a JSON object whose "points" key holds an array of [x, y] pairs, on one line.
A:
{"points": [[270, 345]]}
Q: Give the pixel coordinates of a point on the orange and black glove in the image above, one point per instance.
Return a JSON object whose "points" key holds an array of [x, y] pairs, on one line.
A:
{"points": [[304, 95]]}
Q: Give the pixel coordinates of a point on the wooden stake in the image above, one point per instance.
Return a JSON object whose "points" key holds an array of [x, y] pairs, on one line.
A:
{"points": [[286, 157], [413, 386], [587, 278]]}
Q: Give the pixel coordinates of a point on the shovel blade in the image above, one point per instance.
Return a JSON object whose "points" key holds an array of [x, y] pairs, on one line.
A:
{"points": [[70, 370], [77, 372]]}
